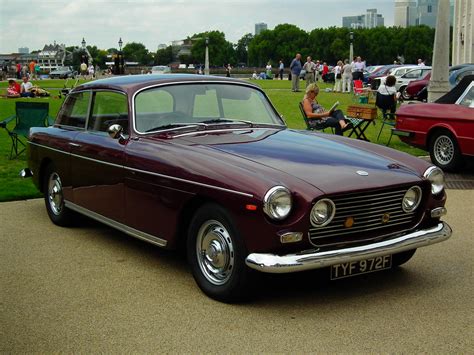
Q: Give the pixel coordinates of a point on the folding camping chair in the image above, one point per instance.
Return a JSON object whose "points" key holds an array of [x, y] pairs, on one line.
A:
{"points": [[385, 103], [320, 127], [28, 114]]}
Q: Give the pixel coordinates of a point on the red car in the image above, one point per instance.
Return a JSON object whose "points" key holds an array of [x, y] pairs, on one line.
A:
{"points": [[444, 128], [208, 165], [416, 89]]}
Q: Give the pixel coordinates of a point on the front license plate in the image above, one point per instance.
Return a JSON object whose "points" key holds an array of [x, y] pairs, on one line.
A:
{"points": [[340, 271]]}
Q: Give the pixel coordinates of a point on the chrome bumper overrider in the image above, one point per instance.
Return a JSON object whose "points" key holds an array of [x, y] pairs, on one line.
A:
{"points": [[314, 260]]}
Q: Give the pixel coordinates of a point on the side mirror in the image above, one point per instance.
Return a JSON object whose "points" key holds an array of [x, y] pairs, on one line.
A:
{"points": [[115, 131]]}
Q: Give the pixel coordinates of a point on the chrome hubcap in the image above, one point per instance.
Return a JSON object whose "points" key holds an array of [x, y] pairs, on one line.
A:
{"points": [[55, 194], [443, 150], [215, 252]]}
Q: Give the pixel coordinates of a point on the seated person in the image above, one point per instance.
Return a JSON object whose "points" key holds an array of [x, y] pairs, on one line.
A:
{"points": [[26, 86], [387, 95], [254, 75], [13, 89], [318, 116]]}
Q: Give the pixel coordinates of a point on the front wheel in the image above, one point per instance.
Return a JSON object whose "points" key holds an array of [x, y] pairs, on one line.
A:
{"points": [[54, 198], [403, 92], [444, 151], [403, 257], [217, 255]]}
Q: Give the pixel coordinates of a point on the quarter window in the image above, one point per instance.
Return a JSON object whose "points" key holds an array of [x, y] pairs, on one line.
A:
{"points": [[74, 110]]}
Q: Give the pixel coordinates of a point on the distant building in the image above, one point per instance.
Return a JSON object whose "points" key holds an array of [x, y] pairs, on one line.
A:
{"points": [[463, 32], [259, 27], [370, 19], [23, 50], [52, 56], [417, 12], [181, 48]]}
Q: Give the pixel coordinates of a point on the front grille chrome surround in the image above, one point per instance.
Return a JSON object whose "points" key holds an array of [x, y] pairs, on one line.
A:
{"points": [[373, 214]]}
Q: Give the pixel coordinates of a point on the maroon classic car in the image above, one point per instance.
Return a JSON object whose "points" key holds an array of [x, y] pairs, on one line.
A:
{"points": [[207, 164], [445, 128]]}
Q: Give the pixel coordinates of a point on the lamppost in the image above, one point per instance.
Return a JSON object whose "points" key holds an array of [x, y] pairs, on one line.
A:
{"points": [[247, 50], [84, 57], [206, 60], [351, 47], [119, 62]]}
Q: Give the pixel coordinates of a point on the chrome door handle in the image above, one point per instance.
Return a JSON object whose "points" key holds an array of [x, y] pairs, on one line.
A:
{"points": [[74, 145]]}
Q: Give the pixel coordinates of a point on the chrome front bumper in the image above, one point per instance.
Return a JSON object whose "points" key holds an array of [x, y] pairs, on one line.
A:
{"points": [[315, 260]]}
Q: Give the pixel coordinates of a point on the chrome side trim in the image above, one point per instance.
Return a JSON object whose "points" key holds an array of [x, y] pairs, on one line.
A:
{"points": [[189, 181], [114, 224], [149, 172], [272, 263], [46, 147]]}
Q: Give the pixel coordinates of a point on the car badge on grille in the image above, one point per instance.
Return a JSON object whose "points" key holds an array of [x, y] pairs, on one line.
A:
{"points": [[385, 218], [349, 222], [362, 173]]}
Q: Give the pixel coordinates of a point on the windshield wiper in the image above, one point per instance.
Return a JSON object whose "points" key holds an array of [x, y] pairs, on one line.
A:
{"points": [[226, 120], [174, 126]]}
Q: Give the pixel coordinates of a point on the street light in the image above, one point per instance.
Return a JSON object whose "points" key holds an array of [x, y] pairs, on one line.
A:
{"points": [[206, 60], [247, 50], [351, 47], [120, 43], [83, 43]]}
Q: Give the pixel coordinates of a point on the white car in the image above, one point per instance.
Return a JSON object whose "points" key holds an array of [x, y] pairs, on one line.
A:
{"points": [[160, 69], [404, 80], [396, 72]]}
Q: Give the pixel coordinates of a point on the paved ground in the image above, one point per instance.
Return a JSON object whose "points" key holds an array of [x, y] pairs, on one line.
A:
{"points": [[92, 289]]}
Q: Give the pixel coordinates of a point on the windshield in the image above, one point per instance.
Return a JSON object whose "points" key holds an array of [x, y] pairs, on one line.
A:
{"points": [[202, 105]]}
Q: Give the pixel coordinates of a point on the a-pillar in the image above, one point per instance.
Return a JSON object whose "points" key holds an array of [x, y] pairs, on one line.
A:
{"points": [[439, 82]]}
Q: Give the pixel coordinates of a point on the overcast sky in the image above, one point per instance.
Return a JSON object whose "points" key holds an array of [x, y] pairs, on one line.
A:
{"points": [[34, 23]]}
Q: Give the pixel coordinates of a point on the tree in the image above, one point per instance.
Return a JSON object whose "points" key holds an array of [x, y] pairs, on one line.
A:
{"points": [[241, 49], [137, 52], [164, 56]]}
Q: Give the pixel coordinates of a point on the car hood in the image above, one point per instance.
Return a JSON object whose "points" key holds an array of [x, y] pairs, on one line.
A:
{"points": [[327, 162]]}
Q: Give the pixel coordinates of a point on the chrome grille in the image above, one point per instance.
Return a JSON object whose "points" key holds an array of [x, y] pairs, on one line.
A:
{"points": [[367, 210]]}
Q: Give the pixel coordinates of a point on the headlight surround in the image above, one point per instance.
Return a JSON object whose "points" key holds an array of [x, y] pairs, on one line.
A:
{"points": [[436, 177], [277, 203], [322, 212], [411, 199]]}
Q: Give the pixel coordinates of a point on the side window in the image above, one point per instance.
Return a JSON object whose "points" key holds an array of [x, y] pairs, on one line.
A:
{"points": [[468, 99], [74, 110], [108, 108], [413, 74]]}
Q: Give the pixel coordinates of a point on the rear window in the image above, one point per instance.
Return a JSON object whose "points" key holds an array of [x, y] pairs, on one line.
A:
{"points": [[74, 111]]}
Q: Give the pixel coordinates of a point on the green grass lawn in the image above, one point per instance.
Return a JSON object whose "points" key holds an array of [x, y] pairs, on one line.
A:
{"points": [[279, 92]]}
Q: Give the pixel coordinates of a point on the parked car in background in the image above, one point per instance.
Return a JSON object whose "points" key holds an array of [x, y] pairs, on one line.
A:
{"points": [[416, 89], [444, 128], [414, 74], [160, 69], [206, 163], [459, 72], [63, 73], [395, 71], [383, 71]]}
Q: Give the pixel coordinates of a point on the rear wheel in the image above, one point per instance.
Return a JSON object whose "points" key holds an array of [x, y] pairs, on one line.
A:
{"points": [[444, 151], [54, 198], [217, 255]]}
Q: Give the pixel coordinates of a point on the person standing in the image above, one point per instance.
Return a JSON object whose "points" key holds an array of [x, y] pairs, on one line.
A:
{"points": [[91, 71], [337, 76], [281, 69], [83, 70], [18, 70], [37, 71], [268, 71], [346, 77], [359, 67], [295, 69], [309, 68], [32, 69], [325, 71], [317, 70], [227, 70]]}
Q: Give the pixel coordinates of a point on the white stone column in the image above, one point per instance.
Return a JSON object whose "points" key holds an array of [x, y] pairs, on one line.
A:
{"points": [[439, 84]]}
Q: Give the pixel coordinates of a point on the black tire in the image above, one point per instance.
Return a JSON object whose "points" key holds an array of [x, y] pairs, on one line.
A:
{"points": [[402, 258], [444, 151], [404, 94], [217, 255], [54, 199]]}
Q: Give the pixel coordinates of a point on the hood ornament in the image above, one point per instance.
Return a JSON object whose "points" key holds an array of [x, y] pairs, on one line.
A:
{"points": [[362, 173]]}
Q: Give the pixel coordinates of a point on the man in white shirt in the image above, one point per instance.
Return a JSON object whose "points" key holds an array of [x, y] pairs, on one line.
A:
{"points": [[358, 67], [309, 67], [26, 86]]}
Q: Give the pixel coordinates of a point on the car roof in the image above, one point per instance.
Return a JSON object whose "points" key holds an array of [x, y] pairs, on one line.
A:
{"points": [[132, 83]]}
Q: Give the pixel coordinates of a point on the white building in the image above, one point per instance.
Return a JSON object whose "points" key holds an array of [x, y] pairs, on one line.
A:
{"points": [[52, 56], [259, 27], [405, 13], [417, 12], [370, 19], [463, 32]]}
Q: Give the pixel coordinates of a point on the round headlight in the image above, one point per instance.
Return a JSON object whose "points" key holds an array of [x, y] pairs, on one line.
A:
{"points": [[412, 199], [277, 202], [436, 177], [322, 213]]}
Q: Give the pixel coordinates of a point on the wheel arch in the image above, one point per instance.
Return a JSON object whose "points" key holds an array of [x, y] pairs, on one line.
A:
{"points": [[435, 130]]}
